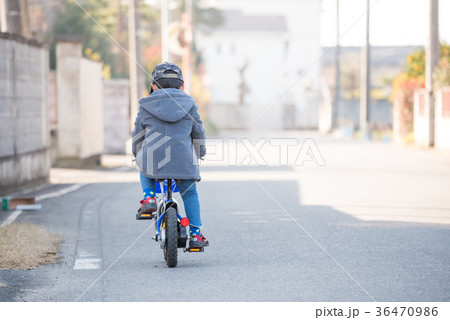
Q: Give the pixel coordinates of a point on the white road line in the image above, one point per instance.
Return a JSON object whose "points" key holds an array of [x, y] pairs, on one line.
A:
{"points": [[60, 192], [114, 262], [13, 216], [89, 253], [87, 263]]}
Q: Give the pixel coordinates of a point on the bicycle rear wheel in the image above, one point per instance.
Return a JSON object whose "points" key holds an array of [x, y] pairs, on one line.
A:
{"points": [[171, 237]]}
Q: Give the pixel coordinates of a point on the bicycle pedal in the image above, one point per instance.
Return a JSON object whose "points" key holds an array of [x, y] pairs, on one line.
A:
{"points": [[144, 216], [194, 249], [155, 237]]}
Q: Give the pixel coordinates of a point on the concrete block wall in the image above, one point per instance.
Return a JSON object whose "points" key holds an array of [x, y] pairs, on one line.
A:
{"points": [[52, 100], [24, 130], [325, 111], [68, 57], [421, 118], [91, 108], [79, 82], [441, 118], [116, 101], [442, 122]]}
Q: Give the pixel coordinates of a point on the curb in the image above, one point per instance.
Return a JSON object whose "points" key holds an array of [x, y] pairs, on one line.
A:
{"points": [[15, 214]]}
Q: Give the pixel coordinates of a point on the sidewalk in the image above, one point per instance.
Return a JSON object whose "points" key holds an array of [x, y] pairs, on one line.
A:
{"points": [[63, 181]]}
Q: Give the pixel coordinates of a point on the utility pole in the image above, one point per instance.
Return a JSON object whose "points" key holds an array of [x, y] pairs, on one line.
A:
{"points": [[164, 31], [2, 15], [432, 59], [365, 81], [11, 17], [335, 113], [25, 19], [137, 80], [186, 58]]}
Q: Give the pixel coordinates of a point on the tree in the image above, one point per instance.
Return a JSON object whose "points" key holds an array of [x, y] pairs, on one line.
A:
{"points": [[102, 20], [412, 78], [73, 20], [202, 13], [443, 74]]}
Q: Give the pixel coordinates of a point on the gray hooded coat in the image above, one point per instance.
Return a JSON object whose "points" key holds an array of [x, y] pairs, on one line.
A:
{"points": [[168, 136]]}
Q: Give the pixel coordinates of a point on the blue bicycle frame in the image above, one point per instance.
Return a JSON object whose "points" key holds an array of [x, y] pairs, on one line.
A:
{"points": [[168, 187]]}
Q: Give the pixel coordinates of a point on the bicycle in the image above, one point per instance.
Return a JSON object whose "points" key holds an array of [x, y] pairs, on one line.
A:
{"points": [[170, 226]]}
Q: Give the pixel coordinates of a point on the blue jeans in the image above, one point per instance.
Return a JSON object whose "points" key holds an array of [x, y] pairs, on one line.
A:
{"points": [[188, 191]]}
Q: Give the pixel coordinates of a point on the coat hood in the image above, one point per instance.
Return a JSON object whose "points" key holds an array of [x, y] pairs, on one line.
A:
{"points": [[168, 105]]}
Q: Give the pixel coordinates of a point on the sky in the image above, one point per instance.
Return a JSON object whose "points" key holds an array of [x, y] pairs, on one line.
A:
{"points": [[392, 22]]}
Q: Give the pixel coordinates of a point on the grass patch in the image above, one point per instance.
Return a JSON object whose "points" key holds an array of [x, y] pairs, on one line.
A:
{"points": [[26, 246]]}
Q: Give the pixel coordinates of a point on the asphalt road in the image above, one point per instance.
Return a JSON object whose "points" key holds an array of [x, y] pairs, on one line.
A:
{"points": [[373, 223]]}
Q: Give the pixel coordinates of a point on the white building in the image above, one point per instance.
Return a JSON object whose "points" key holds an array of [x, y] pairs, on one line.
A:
{"points": [[271, 49]]}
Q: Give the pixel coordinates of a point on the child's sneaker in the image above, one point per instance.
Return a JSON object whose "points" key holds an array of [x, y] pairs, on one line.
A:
{"points": [[198, 241], [148, 206]]}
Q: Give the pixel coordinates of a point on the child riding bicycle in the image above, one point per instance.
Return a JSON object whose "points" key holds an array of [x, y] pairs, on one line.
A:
{"points": [[168, 140]]}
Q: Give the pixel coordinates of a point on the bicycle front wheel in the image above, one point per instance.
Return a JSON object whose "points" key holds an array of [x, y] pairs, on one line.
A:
{"points": [[171, 237]]}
